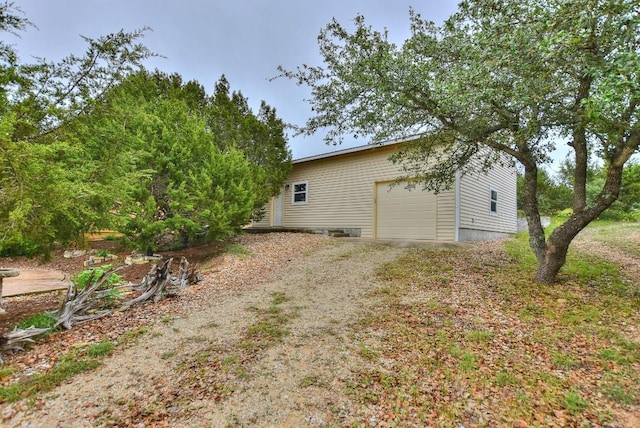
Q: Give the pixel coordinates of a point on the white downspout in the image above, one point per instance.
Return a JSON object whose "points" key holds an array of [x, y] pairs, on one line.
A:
{"points": [[457, 227]]}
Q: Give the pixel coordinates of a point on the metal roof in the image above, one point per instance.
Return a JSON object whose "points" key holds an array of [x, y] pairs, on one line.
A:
{"points": [[370, 146]]}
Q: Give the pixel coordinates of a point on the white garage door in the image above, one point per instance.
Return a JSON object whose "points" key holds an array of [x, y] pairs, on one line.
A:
{"points": [[404, 214]]}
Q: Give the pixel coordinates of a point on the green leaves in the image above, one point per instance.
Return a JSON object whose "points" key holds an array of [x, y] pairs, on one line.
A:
{"points": [[55, 184], [504, 76], [96, 142], [207, 159]]}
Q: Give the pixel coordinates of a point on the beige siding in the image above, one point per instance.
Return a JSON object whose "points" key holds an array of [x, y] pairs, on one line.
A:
{"points": [[475, 201], [446, 216], [270, 214], [348, 191], [341, 193]]}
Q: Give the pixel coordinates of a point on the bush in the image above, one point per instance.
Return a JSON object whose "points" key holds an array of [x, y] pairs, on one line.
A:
{"points": [[82, 279], [16, 249]]}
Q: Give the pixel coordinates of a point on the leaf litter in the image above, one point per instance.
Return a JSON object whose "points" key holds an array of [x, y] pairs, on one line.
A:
{"points": [[375, 337]]}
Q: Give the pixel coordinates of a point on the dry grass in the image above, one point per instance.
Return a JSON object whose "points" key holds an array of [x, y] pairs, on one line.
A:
{"points": [[465, 338]]}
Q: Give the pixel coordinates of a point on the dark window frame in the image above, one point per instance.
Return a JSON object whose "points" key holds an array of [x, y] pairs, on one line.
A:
{"points": [[299, 192]]}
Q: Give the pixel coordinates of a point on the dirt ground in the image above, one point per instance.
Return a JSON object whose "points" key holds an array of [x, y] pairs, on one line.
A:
{"points": [[208, 318], [20, 307], [268, 338]]}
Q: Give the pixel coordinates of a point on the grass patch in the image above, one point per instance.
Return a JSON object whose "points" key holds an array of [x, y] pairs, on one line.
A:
{"points": [[237, 250], [309, 381], [168, 355], [614, 355], [278, 298], [6, 371], [131, 337], [467, 362], [564, 361], [586, 314], [616, 234], [271, 325], [367, 353], [503, 378], [574, 402], [214, 371], [100, 349], [42, 320], [619, 393], [71, 364], [268, 330], [478, 335]]}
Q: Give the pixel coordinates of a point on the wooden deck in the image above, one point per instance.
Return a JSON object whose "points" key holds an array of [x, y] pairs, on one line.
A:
{"points": [[33, 281]]}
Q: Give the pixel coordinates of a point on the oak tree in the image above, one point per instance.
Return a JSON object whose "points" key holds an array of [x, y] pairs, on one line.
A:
{"points": [[518, 78]]}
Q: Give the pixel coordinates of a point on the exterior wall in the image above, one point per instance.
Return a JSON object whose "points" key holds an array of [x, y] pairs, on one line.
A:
{"points": [[341, 193], [476, 220], [405, 214], [267, 220], [446, 213]]}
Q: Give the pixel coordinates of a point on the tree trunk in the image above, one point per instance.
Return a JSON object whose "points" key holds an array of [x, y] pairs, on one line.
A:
{"points": [[536, 231], [558, 243], [554, 258]]}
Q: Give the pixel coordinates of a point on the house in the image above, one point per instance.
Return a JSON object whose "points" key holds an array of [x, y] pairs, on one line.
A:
{"points": [[351, 191]]}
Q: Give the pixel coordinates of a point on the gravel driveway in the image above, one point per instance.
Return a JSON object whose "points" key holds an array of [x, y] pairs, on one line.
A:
{"points": [[209, 366]]}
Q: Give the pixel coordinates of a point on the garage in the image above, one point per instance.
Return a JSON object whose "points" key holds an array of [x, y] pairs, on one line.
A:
{"points": [[348, 192], [403, 213]]}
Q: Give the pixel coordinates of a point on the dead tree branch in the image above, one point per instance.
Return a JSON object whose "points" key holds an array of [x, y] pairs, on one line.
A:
{"points": [[80, 306]]}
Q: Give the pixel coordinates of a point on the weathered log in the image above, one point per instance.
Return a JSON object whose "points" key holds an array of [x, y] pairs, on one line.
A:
{"points": [[9, 340], [186, 275], [160, 283], [183, 273], [155, 286], [76, 304], [12, 341], [147, 280], [194, 275]]}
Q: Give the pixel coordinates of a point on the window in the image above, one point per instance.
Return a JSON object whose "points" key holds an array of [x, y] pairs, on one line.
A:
{"points": [[494, 201], [299, 193]]}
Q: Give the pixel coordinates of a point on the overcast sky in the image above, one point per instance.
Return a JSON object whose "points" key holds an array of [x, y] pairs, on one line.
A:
{"points": [[245, 40]]}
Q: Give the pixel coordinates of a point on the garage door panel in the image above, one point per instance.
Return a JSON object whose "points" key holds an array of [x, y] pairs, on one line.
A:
{"points": [[404, 214]]}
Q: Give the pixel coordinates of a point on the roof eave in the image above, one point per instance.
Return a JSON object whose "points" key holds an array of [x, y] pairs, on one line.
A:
{"points": [[363, 148]]}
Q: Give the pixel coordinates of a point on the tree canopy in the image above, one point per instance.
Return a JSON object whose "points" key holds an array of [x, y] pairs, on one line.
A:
{"points": [[260, 137], [516, 77], [96, 141], [46, 194], [200, 163]]}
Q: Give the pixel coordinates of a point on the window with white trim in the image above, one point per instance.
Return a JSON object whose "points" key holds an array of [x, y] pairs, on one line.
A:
{"points": [[493, 201], [299, 192]]}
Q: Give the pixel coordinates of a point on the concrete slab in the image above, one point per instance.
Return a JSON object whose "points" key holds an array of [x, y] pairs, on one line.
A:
{"points": [[407, 243], [32, 281]]}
